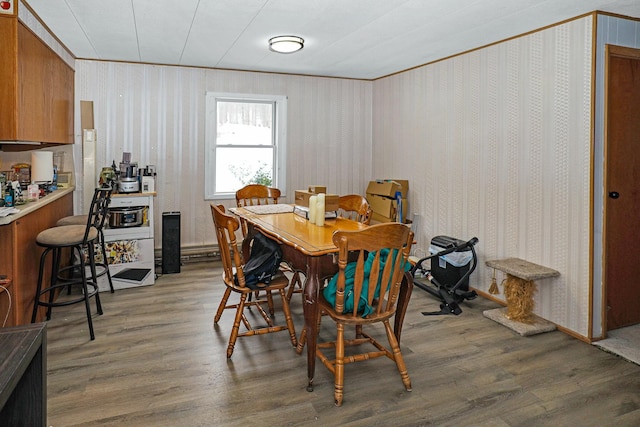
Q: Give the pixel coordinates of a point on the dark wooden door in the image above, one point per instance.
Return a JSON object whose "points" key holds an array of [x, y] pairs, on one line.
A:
{"points": [[622, 187]]}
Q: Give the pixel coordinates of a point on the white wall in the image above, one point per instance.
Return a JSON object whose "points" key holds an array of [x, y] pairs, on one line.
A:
{"points": [[496, 144], [158, 114]]}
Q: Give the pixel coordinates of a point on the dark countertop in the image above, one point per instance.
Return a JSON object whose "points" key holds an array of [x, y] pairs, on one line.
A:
{"points": [[23, 375]]}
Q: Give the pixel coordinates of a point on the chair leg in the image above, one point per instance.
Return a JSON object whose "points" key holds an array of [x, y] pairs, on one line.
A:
{"points": [[287, 317], [397, 356], [236, 325], [72, 270], [295, 283], [36, 302], [55, 270], [339, 367], [272, 310], [256, 294], [85, 289], [302, 340], [222, 305], [94, 277], [106, 260]]}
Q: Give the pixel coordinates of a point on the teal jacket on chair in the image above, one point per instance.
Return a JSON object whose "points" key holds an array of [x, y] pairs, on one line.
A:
{"points": [[364, 308]]}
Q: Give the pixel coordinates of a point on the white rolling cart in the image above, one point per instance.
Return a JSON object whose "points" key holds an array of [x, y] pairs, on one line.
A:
{"points": [[129, 241]]}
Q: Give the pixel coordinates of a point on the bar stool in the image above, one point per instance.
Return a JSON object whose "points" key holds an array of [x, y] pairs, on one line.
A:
{"points": [[102, 267], [76, 238]]}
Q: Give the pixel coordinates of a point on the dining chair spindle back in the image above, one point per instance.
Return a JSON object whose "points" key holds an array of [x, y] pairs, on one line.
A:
{"points": [[381, 253], [351, 206], [233, 277]]}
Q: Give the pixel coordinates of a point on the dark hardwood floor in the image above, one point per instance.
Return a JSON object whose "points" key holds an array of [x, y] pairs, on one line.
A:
{"points": [[158, 360]]}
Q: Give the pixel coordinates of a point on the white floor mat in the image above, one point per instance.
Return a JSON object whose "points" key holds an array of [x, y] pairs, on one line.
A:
{"points": [[625, 342]]}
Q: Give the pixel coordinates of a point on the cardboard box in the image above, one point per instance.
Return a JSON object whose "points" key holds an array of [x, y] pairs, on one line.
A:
{"points": [[388, 187], [404, 187], [384, 206], [331, 201], [376, 218], [317, 189], [383, 188], [86, 115]]}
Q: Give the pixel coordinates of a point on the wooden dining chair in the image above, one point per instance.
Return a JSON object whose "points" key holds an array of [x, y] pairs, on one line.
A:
{"points": [[355, 207], [365, 292], [256, 194], [352, 206], [234, 280]]}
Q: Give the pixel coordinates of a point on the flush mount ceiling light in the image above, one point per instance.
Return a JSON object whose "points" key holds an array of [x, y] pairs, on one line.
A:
{"points": [[286, 44]]}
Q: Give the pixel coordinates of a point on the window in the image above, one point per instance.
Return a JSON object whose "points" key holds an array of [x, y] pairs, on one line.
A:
{"points": [[245, 140]]}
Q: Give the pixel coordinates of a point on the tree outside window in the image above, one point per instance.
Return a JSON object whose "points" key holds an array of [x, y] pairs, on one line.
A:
{"points": [[245, 142]]}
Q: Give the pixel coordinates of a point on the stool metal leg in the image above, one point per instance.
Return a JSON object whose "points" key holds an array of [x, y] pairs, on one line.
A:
{"points": [[94, 277], [85, 290], [36, 302], [55, 266], [106, 260]]}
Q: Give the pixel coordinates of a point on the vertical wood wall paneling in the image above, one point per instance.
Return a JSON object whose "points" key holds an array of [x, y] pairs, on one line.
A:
{"points": [[157, 114], [504, 135], [417, 133]]}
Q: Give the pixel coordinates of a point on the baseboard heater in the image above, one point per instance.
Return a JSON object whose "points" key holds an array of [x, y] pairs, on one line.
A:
{"points": [[193, 253]]}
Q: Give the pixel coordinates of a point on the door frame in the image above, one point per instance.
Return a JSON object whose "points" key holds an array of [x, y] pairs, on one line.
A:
{"points": [[611, 50]]}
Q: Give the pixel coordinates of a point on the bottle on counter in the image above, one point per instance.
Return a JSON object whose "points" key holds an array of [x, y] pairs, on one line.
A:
{"points": [[9, 195], [33, 191], [3, 181], [54, 184]]}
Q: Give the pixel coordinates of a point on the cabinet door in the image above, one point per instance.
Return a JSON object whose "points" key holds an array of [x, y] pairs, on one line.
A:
{"points": [[36, 88], [62, 84], [8, 79], [45, 99], [25, 254], [33, 71], [6, 308]]}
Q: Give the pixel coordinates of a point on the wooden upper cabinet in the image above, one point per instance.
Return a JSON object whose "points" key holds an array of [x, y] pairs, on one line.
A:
{"points": [[36, 91]]}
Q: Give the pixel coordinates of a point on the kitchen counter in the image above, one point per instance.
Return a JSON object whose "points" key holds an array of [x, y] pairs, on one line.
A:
{"points": [[30, 207], [20, 261], [133, 194]]}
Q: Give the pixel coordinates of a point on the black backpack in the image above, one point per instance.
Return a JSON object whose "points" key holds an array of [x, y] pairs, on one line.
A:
{"points": [[264, 261]]}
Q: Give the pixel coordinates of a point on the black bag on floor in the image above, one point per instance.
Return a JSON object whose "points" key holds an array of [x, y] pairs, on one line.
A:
{"points": [[264, 261]]}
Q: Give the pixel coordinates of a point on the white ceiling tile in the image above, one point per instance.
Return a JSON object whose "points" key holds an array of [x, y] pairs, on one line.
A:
{"points": [[355, 38]]}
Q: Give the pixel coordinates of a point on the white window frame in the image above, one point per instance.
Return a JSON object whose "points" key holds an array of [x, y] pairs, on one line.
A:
{"points": [[279, 148]]}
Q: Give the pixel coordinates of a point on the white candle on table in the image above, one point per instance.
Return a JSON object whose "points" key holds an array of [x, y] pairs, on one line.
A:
{"points": [[312, 209], [320, 210]]}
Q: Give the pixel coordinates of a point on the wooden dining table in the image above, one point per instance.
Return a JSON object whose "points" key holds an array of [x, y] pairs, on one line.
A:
{"points": [[309, 248]]}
